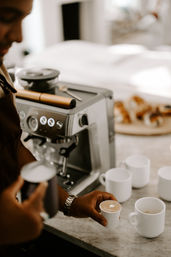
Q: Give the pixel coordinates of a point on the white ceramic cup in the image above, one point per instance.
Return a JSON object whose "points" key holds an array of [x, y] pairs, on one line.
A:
{"points": [[118, 182], [149, 216], [164, 183], [139, 166], [111, 209]]}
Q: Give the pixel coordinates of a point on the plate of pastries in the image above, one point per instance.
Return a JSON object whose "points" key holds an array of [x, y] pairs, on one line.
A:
{"points": [[136, 116]]}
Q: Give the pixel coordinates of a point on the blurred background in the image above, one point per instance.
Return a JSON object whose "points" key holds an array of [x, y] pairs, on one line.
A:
{"points": [[105, 21], [97, 41]]}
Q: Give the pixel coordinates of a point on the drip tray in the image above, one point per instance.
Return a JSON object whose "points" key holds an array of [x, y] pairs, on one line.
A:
{"points": [[72, 179]]}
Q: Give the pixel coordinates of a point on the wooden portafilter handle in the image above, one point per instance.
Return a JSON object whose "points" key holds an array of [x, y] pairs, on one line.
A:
{"points": [[55, 100]]}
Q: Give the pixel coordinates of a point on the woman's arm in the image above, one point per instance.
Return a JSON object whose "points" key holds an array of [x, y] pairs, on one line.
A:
{"points": [[20, 222], [83, 206]]}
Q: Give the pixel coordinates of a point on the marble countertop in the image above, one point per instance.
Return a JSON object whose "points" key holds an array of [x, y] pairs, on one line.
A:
{"points": [[124, 241]]}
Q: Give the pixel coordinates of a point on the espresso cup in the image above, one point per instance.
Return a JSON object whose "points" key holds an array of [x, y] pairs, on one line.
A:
{"points": [[164, 183], [139, 166], [149, 216], [35, 173], [111, 209], [117, 181]]}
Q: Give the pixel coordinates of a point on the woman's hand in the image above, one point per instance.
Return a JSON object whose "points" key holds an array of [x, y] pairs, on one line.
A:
{"points": [[20, 222], [88, 205]]}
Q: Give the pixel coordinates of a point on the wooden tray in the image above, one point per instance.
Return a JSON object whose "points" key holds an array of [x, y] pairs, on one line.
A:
{"points": [[139, 128]]}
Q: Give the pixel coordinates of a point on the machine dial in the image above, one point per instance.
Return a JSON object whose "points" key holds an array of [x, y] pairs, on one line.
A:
{"points": [[33, 123]]}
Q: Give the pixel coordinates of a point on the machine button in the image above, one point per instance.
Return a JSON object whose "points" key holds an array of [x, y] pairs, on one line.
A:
{"points": [[83, 120], [59, 124], [43, 120], [51, 122], [33, 123]]}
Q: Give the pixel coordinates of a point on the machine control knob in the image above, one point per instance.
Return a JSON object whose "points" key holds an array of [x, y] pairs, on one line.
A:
{"points": [[59, 124], [43, 120], [83, 120], [51, 122], [33, 123]]}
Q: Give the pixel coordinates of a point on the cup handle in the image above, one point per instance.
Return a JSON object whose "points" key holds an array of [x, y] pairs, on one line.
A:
{"points": [[133, 218], [102, 179]]}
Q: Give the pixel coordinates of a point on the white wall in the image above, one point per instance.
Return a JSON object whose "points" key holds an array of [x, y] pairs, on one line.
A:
{"points": [[44, 26], [33, 37]]}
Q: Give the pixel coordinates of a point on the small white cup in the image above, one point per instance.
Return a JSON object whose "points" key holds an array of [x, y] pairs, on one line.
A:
{"points": [[139, 166], [149, 216], [118, 182], [111, 209], [164, 183]]}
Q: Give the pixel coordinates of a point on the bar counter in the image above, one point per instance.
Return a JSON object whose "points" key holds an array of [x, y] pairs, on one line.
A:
{"points": [[124, 241]]}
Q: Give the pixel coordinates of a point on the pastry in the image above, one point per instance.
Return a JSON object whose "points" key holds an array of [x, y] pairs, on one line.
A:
{"points": [[153, 119], [135, 101], [137, 107], [165, 110], [120, 113]]}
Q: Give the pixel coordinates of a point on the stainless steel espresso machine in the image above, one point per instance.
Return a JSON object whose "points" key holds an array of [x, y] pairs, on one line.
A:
{"points": [[78, 138]]}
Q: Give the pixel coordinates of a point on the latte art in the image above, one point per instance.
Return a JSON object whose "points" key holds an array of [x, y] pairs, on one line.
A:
{"points": [[110, 206]]}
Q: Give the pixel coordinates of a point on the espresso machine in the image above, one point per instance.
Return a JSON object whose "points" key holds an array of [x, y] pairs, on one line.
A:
{"points": [[77, 138]]}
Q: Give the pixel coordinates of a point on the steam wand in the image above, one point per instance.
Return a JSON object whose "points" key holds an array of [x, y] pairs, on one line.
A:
{"points": [[65, 152]]}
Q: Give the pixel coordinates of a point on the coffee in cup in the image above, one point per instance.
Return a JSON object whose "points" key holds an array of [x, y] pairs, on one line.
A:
{"points": [[149, 216]]}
